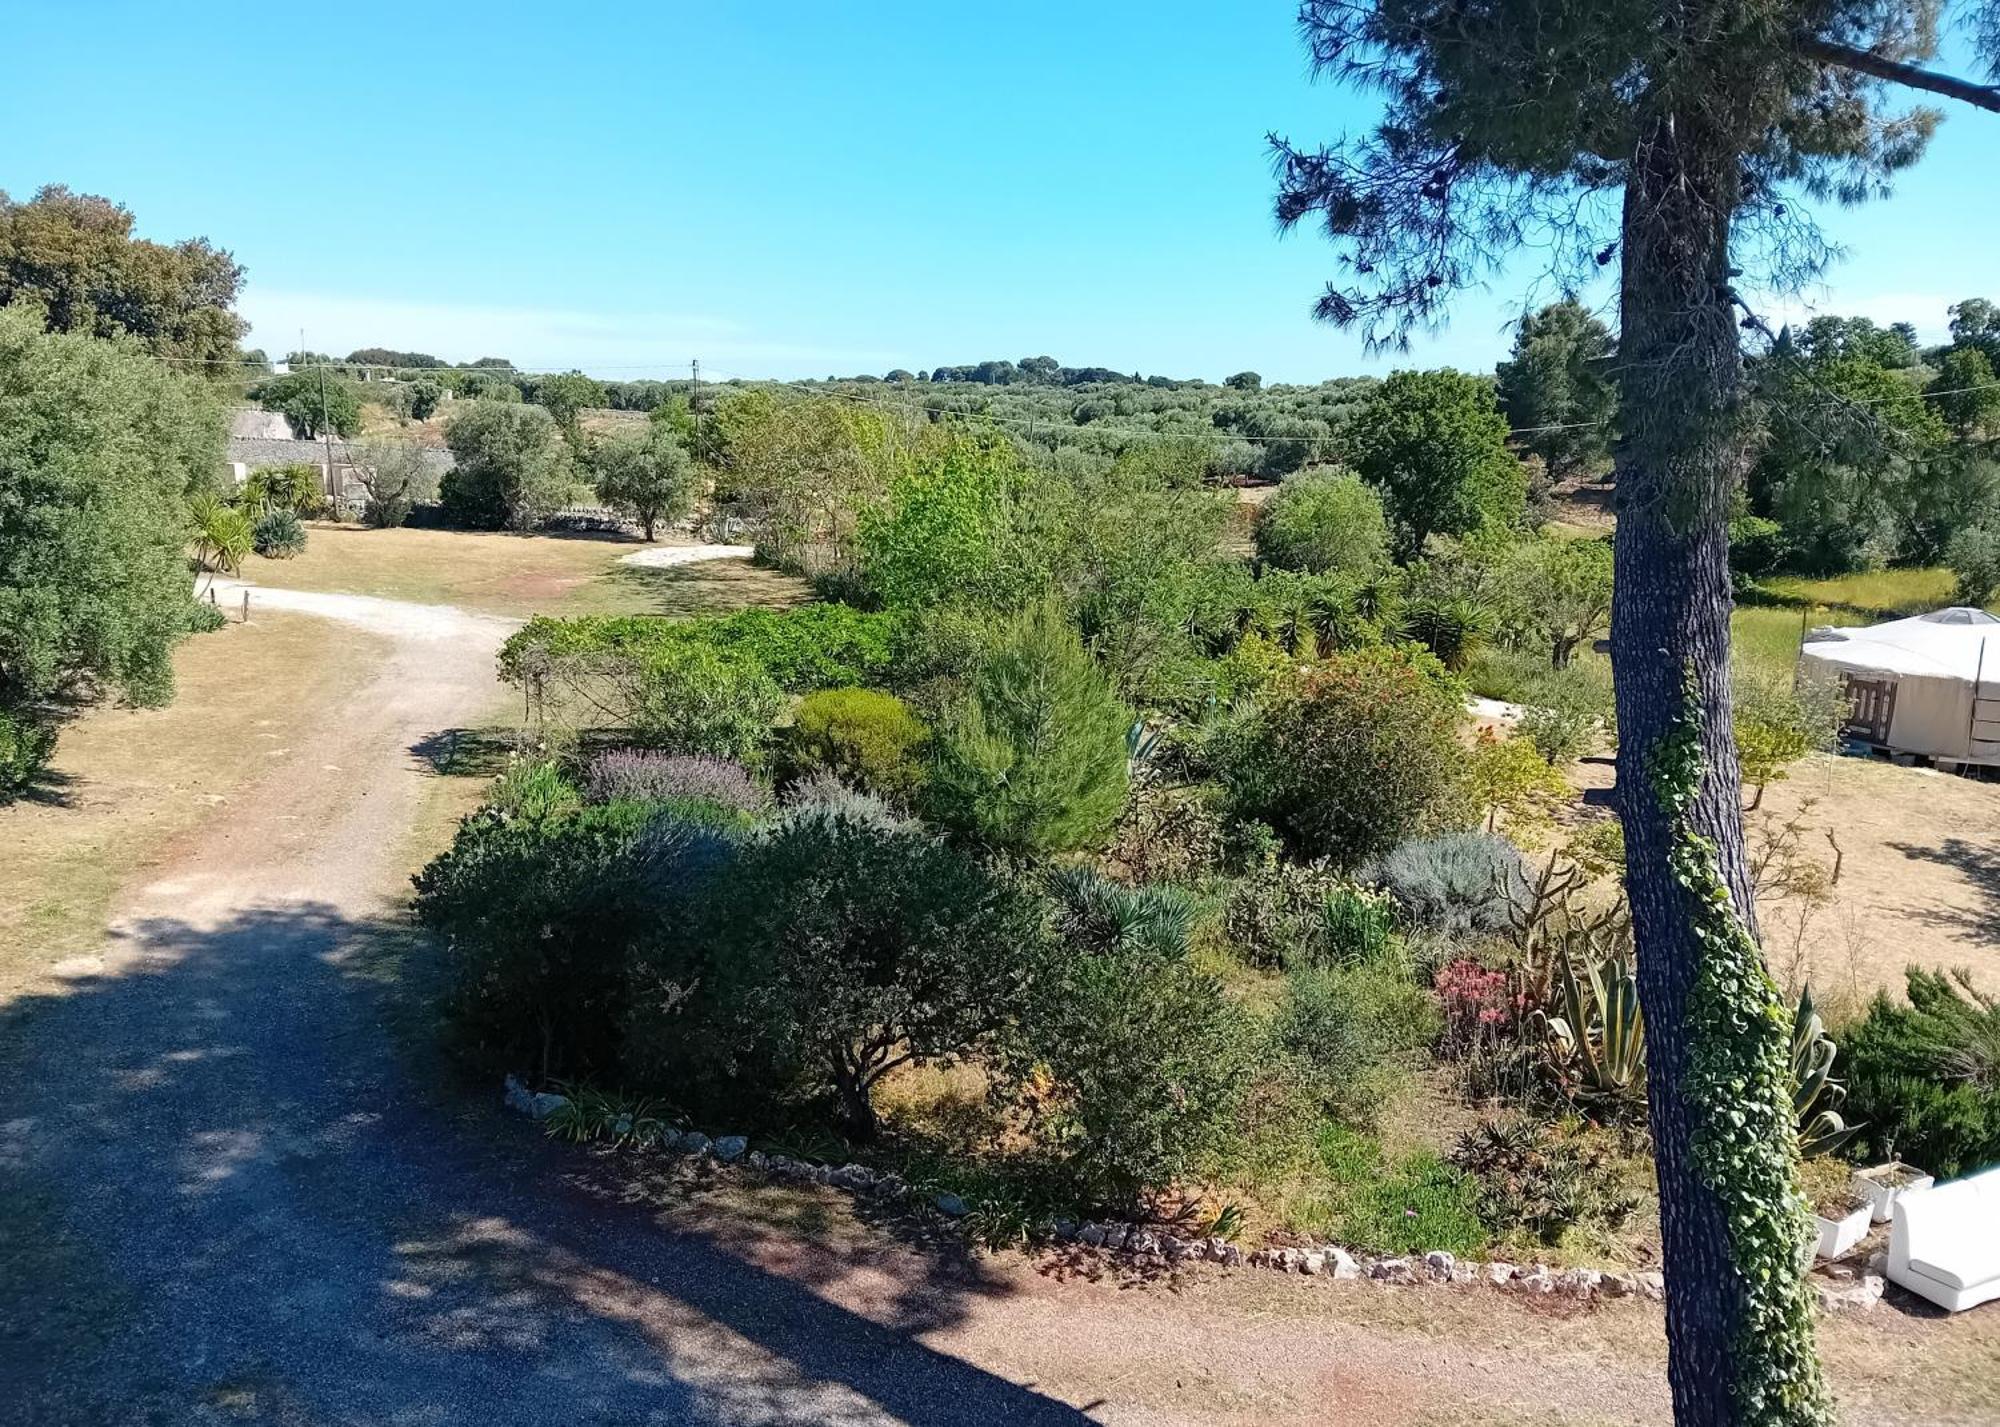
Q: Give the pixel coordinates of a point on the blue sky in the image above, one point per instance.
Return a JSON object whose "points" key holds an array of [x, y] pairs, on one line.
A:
{"points": [[783, 189]]}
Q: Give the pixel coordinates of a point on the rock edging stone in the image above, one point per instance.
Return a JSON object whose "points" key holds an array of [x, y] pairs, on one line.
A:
{"points": [[1436, 1268]]}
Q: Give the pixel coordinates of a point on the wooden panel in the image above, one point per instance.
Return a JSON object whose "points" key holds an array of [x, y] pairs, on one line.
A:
{"points": [[1871, 709]]}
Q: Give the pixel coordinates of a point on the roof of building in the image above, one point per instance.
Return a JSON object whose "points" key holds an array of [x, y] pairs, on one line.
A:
{"points": [[1946, 643]]}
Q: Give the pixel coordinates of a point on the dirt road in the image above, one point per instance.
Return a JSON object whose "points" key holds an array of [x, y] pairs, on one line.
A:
{"points": [[227, 1197]]}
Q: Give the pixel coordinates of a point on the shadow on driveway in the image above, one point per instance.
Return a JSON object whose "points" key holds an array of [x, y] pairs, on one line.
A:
{"points": [[228, 1201]]}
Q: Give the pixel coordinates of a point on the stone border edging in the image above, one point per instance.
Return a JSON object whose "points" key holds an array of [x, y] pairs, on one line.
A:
{"points": [[1858, 1291]]}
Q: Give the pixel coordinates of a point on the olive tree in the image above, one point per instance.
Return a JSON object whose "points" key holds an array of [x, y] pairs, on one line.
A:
{"points": [[646, 475], [1675, 140]]}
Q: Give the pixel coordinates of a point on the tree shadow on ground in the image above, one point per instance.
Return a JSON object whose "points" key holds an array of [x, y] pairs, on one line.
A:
{"points": [[706, 587], [1980, 867], [230, 1200], [466, 752]]}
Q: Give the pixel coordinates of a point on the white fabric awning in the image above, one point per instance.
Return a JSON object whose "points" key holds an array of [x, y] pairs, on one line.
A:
{"points": [[1946, 644]]}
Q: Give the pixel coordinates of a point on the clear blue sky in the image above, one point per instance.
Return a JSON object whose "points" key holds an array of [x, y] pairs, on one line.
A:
{"points": [[782, 189]]}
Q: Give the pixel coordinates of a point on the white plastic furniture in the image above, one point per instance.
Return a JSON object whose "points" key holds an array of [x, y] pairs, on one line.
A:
{"points": [[1944, 1243]]}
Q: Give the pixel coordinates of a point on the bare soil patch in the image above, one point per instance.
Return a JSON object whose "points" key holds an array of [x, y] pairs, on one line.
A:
{"points": [[1919, 878]]}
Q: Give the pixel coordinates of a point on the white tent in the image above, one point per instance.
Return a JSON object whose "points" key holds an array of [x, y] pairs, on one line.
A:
{"points": [[1929, 685]]}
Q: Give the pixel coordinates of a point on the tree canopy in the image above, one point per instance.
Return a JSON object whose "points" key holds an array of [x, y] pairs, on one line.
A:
{"points": [[1435, 445], [99, 448], [73, 256], [1556, 388]]}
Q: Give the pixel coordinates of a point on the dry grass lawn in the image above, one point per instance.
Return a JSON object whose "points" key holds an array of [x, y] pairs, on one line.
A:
{"points": [[493, 572], [132, 785]]}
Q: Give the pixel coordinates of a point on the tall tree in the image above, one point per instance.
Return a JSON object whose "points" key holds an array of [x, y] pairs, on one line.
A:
{"points": [[1435, 445], [1556, 389], [99, 447], [1697, 122], [73, 255]]}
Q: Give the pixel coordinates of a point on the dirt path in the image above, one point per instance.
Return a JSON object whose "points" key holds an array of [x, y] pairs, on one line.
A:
{"points": [[228, 1198]]}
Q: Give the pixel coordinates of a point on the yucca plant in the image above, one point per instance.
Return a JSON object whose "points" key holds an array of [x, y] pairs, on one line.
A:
{"points": [[1100, 915], [1816, 1095], [1599, 1034]]}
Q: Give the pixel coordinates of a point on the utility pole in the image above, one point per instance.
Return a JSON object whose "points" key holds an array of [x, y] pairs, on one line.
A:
{"points": [[326, 434], [694, 406]]}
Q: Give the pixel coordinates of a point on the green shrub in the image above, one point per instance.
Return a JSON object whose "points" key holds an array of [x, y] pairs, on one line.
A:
{"points": [[1974, 557], [865, 737], [1346, 1030], [26, 745], [1356, 755], [1145, 1064], [694, 699], [1169, 833], [1324, 520], [295, 487], [278, 534], [1924, 1077], [204, 617], [1778, 721], [815, 646], [1357, 927], [1272, 914], [842, 945], [942, 532], [818, 646], [1543, 1179], [1461, 884], [537, 912], [1757, 546], [532, 790], [1034, 758]]}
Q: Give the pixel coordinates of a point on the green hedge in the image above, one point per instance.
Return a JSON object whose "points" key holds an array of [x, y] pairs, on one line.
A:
{"points": [[816, 646]]}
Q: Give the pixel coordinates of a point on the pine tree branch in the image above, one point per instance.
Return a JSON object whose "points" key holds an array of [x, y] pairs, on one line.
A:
{"points": [[1984, 96]]}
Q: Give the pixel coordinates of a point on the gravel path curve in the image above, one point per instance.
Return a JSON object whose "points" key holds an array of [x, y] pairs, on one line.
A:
{"points": [[224, 1199]]}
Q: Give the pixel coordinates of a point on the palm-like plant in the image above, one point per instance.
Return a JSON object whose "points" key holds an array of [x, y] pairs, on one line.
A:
{"points": [[223, 534]]}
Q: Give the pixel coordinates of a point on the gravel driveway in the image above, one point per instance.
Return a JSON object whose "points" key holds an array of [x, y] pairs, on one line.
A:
{"points": [[223, 1199]]}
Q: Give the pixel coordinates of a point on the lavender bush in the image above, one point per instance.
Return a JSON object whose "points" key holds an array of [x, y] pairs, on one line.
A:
{"points": [[641, 776]]}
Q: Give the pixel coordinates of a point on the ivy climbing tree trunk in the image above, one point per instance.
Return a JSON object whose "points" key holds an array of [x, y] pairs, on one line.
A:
{"points": [[1739, 1345]]}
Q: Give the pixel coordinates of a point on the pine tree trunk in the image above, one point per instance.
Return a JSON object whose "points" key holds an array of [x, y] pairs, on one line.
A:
{"points": [[1679, 456]]}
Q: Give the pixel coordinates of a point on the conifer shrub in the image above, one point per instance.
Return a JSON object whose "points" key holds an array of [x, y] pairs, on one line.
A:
{"points": [[1923, 1077], [1033, 758]]}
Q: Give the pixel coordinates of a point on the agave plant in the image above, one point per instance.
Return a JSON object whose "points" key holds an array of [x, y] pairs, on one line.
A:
{"points": [[1816, 1095], [1599, 1034]]}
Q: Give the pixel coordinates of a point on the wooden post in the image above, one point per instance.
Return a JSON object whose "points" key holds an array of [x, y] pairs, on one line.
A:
{"points": [[246, 607]]}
